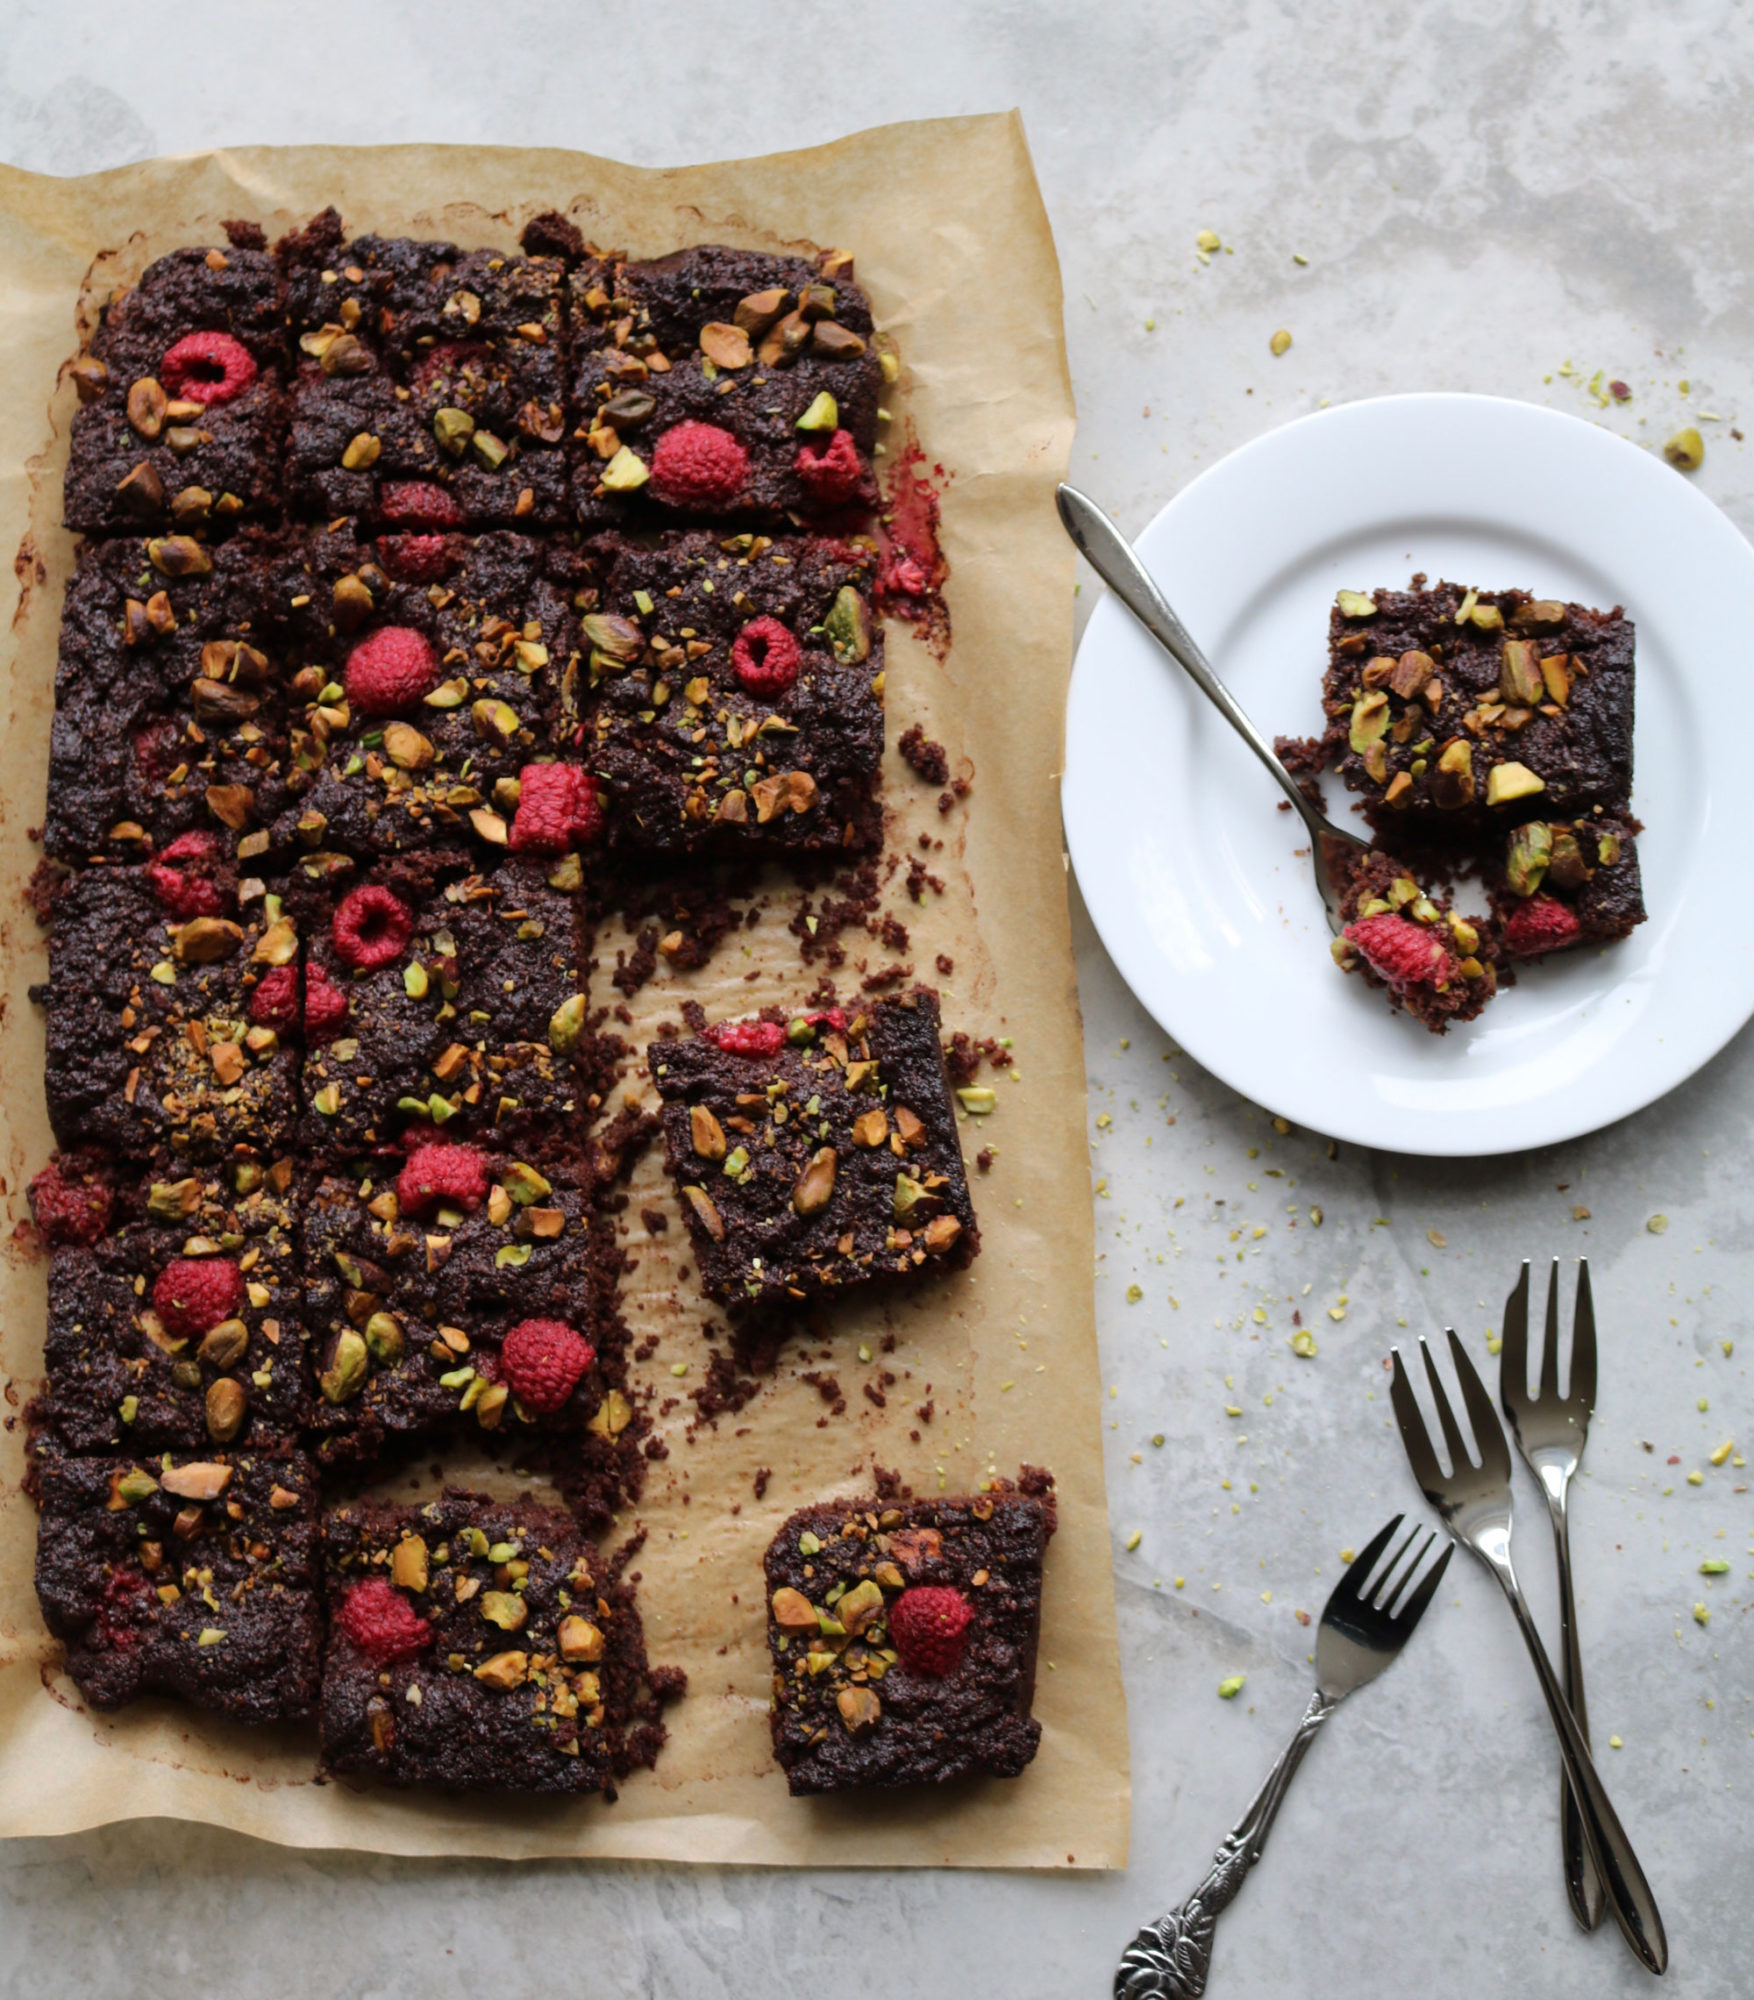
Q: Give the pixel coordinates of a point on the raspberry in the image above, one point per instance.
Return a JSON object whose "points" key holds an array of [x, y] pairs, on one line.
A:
{"points": [[418, 503], [70, 1205], [557, 806], [156, 750], [417, 558], [928, 1626], [830, 1017], [206, 368], [191, 895], [325, 1006], [193, 1294], [442, 1173], [390, 670], [382, 1623], [438, 365], [1402, 953], [542, 1360], [748, 1038], [765, 658], [274, 1004], [698, 465], [119, 1619], [1540, 925], [832, 475], [371, 928]]}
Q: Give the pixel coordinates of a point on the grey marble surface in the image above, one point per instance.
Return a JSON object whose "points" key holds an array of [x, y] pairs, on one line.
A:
{"points": [[1483, 193]]}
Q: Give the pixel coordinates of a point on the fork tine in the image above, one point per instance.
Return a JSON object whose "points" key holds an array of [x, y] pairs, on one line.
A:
{"points": [[1583, 1340], [1513, 1358], [1460, 1460], [1415, 1437], [1358, 1571], [1488, 1431], [1412, 1609], [1389, 1582], [1406, 1577], [1550, 1337]]}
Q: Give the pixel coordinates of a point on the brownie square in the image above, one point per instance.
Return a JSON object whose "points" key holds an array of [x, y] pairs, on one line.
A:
{"points": [[904, 1639], [734, 695], [167, 1031], [169, 705], [1431, 961], [774, 354], [816, 1157], [463, 1007], [1456, 713], [182, 411], [1558, 884], [484, 1646], [188, 1577], [429, 676], [179, 1328]]}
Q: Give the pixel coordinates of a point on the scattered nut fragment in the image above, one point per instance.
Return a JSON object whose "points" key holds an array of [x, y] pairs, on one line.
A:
{"points": [[1281, 341], [816, 1183], [705, 1133], [1685, 450], [199, 1480], [1355, 604], [504, 1671], [706, 1214], [1505, 782], [859, 1709], [793, 1611], [408, 1567], [725, 346]]}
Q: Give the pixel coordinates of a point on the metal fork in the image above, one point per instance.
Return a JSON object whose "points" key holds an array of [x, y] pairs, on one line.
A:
{"points": [[1550, 1432], [1362, 1630], [1475, 1502]]}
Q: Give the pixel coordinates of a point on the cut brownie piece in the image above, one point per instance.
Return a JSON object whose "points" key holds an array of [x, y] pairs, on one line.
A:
{"points": [[1430, 960], [190, 1577], [816, 1157], [486, 1646], [470, 1283], [1561, 883], [1455, 713], [717, 383], [904, 1639], [169, 709], [170, 996], [179, 1326], [434, 995], [182, 413], [737, 695]]}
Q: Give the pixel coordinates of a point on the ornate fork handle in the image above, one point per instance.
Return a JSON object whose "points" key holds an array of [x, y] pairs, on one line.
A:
{"points": [[1172, 1958]]}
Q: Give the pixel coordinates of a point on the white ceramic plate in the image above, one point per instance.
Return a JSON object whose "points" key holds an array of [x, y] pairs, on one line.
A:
{"points": [[1191, 874]]}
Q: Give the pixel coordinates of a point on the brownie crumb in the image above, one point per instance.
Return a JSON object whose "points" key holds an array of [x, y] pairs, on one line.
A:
{"points": [[245, 235], [763, 1473], [926, 757], [946, 965], [551, 235], [655, 1220]]}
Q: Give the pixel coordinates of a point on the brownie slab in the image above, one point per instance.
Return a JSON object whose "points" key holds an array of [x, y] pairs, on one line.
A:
{"points": [[483, 1646], [1431, 961], [189, 1577], [817, 1157], [1558, 884], [903, 1639]]}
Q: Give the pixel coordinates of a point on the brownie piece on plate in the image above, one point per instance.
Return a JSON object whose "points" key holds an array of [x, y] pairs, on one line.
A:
{"points": [[904, 1638], [734, 695], [1432, 962], [819, 1156], [195, 1577], [1564, 883], [483, 1645], [716, 383], [178, 1326], [1456, 712], [182, 414], [170, 999]]}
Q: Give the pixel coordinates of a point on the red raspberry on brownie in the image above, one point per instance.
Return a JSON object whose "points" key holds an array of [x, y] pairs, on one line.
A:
{"points": [[747, 1038], [381, 1622], [275, 1002], [371, 929], [180, 877], [1402, 953], [70, 1204], [455, 1174], [417, 558], [390, 671], [558, 808], [325, 1007], [193, 1294], [833, 474], [929, 1625], [207, 368], [698, 465], [542, 1360], [1540, 925], [765, 658], [418, 504]]}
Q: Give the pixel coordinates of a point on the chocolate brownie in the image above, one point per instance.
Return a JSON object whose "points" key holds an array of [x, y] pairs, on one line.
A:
{"points": [[819, 1156], [904, 1639], [439, 996], [1432, 962], [734, 694], [1458, 712], [169, 1003], [182, 413], [179, 1327], [719, 384], [483, 1645], [189, 1577], [1563, 883], [428, 678], [169, 707]]}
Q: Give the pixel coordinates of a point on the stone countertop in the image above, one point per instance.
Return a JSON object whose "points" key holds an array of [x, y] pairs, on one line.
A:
{"points": [[1501, 199]]}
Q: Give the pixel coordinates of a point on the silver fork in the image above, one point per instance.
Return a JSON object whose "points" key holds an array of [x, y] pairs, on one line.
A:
{"points": [[1475, 1502], [1364, 1626], [1550, 1432]]}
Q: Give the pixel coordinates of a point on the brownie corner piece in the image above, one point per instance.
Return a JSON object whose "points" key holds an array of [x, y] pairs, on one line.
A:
{"points": [[816, 1156], [903, 1638], [1557, 885], [1407, 940]]}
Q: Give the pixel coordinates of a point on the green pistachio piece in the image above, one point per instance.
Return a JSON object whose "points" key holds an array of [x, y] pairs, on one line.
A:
{"points": [[345, 1375], [847, 627]]}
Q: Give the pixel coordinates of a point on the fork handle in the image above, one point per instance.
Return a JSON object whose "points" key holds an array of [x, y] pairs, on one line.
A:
{"points": [[1172, 1958], [1583, 1886]]}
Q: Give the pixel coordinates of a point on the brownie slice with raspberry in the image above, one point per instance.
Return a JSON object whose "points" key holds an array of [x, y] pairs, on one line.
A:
{"points": [[483, 1645], [179, 1326], [716, 384], [435, 996], [193, 1577], [171, 1010], [1558, 884], [182, 414], [428, 680], [469, 1285], [733, 695], [170, 711], [1431, 961], [819, 1156], [904, 1638]]}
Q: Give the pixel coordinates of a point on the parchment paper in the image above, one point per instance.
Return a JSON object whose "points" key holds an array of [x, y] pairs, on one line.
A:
{"points": [[953, 245]]}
